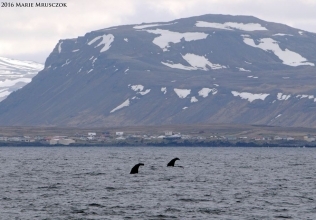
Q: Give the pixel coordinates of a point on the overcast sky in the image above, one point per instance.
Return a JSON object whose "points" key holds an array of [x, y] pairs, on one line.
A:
{"points": [[32, 33]]}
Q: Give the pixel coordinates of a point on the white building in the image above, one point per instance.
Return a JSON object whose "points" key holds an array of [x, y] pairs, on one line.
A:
{"points": [[92, 134], [53, 141], [277, 138], [119, 133], [66, 141], [63, 141], [168, 133], [3, 139], [309, 138]]}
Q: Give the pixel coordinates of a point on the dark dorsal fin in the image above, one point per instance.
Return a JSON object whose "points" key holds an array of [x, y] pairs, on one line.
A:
{"points": [[135, 168], [171, 163]]}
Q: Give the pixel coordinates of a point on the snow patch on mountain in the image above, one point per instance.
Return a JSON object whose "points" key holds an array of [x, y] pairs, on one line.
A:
{"points": [[306, 97], [144, 92], [280, 34], [150, 25], [197, 63], [107, 40], [232, 26], [288, 57], [301, 96], [59, 46], [250, 96], [205, 91], [193, 99], [254, 77], [124, 104], [66, 63], [182, 93], [281, 97], [279, 115], [14, 74], [137, 88], [242, 69], [93, 61], [200, 62], [178, 66], [167, 37]]}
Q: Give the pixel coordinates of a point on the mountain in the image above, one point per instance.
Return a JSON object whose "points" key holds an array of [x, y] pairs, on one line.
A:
{"points": [[204, 69], [14, 74]]}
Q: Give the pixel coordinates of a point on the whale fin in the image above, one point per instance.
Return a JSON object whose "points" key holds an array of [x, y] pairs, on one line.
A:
{"points": [[171, 163], [135, 168]]}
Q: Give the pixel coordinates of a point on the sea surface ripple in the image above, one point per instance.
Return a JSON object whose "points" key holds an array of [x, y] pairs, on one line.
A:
{"points": [[214, 183]]}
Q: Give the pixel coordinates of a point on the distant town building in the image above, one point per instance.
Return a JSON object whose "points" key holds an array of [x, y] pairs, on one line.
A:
{"points": [[28, 139], [309, 138], [53, 141], [119, 133], [173, 137], [66, 141], [63, 141], [277, 138], [14, 139], [3, 138], [92, 134], [168, 133], [186, 137], [231, 138], [90, 138]]}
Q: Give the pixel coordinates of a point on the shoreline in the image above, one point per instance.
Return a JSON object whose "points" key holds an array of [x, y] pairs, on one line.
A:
{"points": [[166, 144]]}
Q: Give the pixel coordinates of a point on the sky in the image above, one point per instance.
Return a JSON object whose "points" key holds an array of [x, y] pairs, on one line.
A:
{"points": [[31, 33]]}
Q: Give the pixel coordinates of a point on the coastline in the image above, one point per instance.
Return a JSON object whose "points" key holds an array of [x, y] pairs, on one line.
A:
{"points": [[167, 143]]}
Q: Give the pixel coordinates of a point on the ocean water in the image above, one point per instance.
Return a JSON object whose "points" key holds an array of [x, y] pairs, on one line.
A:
{"points": [[214, 183]]}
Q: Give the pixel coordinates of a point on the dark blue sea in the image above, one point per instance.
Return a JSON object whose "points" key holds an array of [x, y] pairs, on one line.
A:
{"points": [[214, 183]]}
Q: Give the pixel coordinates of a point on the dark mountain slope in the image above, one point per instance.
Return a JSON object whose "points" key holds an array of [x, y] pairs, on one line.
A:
{"points": [[209, 69]]}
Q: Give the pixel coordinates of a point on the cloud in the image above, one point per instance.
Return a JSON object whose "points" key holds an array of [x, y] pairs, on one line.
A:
{"points": [[33, 32]]}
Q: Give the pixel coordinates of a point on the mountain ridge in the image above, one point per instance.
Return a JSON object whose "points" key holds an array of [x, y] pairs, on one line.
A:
{"points": [[210, 69], [14, 74]]}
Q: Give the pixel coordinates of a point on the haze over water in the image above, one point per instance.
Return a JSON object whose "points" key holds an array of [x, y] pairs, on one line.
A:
{"points": [[215, 183]]}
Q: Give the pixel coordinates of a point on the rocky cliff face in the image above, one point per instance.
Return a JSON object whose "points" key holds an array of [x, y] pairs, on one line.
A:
{"points": [[206, 69]]}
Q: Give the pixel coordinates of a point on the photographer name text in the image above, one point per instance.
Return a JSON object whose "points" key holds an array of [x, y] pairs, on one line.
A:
{"points": [[32, 5]]}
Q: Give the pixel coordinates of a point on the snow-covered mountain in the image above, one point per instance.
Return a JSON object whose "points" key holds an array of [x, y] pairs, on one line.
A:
{"points": [[205, 69], [14, 74]]}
